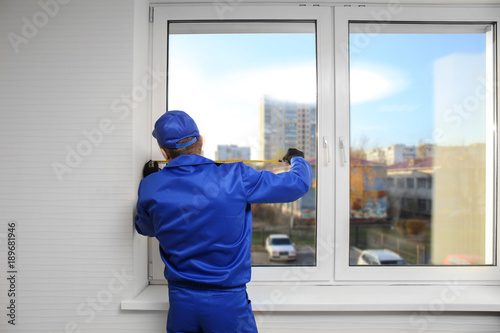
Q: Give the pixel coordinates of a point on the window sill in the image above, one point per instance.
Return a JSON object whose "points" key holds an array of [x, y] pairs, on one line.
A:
{"points": [[434, 299]]}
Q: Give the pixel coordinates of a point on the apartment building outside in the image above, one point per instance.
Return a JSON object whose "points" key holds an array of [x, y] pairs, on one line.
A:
{"points": [[398, 153], [232, 152], [286, 124]]}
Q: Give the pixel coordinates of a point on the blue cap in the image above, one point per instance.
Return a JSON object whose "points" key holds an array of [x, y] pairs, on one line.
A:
{"points": [[174, 126]]}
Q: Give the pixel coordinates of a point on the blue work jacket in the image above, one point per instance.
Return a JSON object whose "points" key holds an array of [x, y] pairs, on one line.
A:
{"points": [[200, 213]]}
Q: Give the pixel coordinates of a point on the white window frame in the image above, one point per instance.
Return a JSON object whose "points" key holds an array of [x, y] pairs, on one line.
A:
{"points": [[380, 17], [163, 15], [333, 285]]}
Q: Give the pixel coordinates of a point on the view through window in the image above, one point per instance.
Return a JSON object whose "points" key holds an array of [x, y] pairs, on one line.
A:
{"points": [[422, 145], [251, 88]]}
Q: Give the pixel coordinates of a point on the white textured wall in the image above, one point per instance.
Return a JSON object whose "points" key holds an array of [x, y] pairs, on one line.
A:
{"points": [[66, 163], [69, 151]]}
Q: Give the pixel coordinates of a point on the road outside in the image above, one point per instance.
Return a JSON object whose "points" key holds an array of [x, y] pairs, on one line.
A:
{"points": [[305, 257]]}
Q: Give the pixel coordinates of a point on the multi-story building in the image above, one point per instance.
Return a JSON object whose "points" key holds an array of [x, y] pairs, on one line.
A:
{"points": [[286, 124], [425, 150], [368, 194], [232, 152], [398, 153], [410, 188]]}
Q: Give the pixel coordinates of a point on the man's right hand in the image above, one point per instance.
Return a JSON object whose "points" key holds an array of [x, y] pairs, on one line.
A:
{"points": [[292, 152]]}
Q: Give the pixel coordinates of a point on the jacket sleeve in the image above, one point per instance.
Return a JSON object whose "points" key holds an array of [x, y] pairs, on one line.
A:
{"points": [[267, 187], [142, 221]]}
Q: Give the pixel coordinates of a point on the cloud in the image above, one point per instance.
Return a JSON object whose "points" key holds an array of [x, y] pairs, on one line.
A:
{"points": [[226, 107], [296, 83], [400, 108], [374, 82]]}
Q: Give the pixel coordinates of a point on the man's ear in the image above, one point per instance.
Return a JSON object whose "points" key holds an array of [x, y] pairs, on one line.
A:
{"points": [[164, 153]]}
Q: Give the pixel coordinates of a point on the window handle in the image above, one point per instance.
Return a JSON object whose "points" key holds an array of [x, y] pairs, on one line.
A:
{"points": [[342, 150], [327, 151]]}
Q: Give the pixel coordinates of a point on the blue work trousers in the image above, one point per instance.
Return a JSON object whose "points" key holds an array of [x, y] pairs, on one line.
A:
{"points": [[209, 310]]}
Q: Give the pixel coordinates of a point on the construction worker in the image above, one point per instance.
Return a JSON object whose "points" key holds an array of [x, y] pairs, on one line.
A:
{"points": [[200, 212]]}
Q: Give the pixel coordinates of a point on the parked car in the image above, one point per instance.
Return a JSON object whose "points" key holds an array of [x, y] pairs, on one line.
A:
{"points": [[380, 257], [279, 247], [463, 259]]}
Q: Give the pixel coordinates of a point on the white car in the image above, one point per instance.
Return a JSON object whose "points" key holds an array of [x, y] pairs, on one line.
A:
{"points": [[380, 257], [279, 247]]}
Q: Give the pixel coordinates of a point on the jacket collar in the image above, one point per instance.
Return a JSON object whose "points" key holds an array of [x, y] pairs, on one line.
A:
{"points": [[183, 160]]}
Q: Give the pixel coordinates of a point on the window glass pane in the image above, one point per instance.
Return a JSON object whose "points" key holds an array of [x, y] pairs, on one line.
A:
{"points": [[421, 146], [253, 96]]}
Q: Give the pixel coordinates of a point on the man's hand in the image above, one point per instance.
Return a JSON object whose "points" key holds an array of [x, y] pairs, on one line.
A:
{"points": [[292, 152], [149, 168]]}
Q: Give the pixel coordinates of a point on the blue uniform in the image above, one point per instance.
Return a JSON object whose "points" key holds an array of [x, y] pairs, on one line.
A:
{"points": [[200, 213]]}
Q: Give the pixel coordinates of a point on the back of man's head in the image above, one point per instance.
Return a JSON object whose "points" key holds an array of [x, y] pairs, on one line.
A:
{"points": [[177, 133]]}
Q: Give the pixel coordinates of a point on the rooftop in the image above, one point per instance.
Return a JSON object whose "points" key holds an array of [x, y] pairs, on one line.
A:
{"points": [[414, 163]]}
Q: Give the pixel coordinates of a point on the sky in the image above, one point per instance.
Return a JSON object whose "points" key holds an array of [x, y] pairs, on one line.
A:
{"points": [[405, 88]]}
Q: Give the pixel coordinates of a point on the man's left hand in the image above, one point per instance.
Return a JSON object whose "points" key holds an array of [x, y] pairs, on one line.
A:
{"points": [[149, 168]]}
